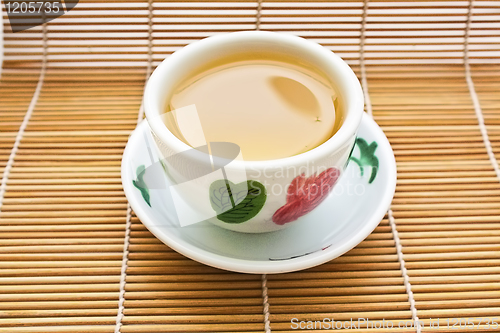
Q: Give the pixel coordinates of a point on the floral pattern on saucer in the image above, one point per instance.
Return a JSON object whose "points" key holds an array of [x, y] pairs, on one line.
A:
{"points": [[140, 184], [293, 208], [304, 194], [367, 158], [240, 205]]}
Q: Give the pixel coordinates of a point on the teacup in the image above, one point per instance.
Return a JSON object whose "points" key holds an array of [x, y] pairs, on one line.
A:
{"points": [[250, 196]]}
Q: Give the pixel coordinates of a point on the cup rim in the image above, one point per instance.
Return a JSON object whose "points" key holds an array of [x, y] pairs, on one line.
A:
{"points": [[349, 84]]}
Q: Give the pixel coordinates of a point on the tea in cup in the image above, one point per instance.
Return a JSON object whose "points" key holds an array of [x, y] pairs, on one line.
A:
{"points": [[254, 128]]}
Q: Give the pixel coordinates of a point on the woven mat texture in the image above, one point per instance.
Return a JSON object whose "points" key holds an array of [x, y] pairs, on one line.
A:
{"points": [[70, 95]]}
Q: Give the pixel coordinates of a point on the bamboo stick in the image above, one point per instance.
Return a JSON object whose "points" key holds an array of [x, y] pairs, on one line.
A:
{"points": [[60, 329], [61, 207], [68, 271], [60, 221]]}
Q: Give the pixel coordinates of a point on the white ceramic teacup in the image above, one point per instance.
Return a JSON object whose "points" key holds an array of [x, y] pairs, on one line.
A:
{"points": [[251, 196]]}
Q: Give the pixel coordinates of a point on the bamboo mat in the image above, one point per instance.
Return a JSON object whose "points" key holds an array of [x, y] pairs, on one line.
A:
{"points": [[74, 258]]}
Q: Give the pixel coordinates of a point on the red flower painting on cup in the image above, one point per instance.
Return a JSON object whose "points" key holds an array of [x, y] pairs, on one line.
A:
{"points": [[304, 194]]}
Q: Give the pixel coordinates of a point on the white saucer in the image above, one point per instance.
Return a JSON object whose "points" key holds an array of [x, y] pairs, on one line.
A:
{"points": [[344, 219]]}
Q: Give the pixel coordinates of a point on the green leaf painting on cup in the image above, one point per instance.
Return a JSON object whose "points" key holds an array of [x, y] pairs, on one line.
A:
{"points": [[366, 158], [141, 185], [236, 203]]}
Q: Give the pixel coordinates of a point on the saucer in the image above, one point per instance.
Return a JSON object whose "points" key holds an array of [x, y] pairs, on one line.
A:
{"points": [[344, 219]]}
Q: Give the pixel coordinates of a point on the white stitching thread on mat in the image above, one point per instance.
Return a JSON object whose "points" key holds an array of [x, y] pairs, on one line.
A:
{"points": [[265, 302], [364, 80], [123, 272], [404, 272], [258, 14], [475, 98], [26, 119], [149, 68], [128, 224], [392, 222]]}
